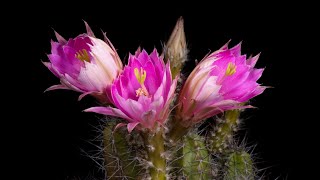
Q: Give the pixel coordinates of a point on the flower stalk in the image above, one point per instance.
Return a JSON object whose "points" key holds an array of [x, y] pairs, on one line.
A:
{"points": [[177, 132], [224, 131], [155, 150]]}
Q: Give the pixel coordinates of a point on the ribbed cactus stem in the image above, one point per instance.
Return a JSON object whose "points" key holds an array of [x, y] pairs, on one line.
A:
{"points": [[110, 152], [224, 131], [196, 159], [239, 166], [155, 148], [118, 160]]}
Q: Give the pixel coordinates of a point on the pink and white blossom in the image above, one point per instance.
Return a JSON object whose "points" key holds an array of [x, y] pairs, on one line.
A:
{"points": [[220, 82], [142, 93], [84, 64]]}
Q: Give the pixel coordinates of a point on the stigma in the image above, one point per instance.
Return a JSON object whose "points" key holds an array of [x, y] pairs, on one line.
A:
{"points": [[141, 77]]}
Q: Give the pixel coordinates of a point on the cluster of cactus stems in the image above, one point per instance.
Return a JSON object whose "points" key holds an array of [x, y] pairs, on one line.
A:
{"points": [[193, 155], [172, 151]]}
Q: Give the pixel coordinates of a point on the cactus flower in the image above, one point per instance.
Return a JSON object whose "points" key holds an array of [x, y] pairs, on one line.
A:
{"points": [[221, 81], [84, 64], [142, 93]]}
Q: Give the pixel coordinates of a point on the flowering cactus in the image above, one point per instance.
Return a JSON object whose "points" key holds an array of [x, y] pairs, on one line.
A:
{"points": [[220, 82], [158, 144], [84, 64]]}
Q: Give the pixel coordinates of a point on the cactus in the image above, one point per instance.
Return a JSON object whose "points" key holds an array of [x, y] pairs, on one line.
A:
{"points": [[196, 159], [239, 165], [119, 160], [224, 131], [164, 141], [154, 142]]}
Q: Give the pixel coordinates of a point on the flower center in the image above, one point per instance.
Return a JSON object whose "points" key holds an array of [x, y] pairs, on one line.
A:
{"points": [[83, 55], [231, 69], [141, 77]]}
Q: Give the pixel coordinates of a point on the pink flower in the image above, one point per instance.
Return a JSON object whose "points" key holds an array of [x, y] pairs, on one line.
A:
{"points": [[84, 64], [220, 82], [142, 93]]}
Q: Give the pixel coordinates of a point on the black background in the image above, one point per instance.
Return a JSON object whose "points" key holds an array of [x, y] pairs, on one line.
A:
{"points": [[53, 130]]}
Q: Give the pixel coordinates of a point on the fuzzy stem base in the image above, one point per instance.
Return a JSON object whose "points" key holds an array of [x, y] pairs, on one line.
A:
{"points": [[177, 132], [155, 145], [224, 130]]}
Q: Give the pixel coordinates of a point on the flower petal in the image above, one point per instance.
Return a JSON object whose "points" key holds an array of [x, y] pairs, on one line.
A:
{"points": [[108, 111], [89, 31], [131, 126], [60, 38], [55, 87]]}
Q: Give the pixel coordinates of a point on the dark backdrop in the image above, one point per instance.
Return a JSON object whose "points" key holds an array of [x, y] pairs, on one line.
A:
{"points": [[54, 130]]}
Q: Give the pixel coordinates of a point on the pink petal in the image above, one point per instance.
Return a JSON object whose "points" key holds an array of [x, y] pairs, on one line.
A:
{"points": [[131, 126], [138, 51], [89, 31], [49, 66], [143, 57], [134, 108], [55, 87], [157, 61], [145, 102], [225, 47], [56, 48], [152, 81], [252, 61], [158, 93], [85, 94], [157, 104], [236, 50], [71, 83], [126, 88], [255, 74], [60, 38], [108, 111], [172, 90], [119, 126]]}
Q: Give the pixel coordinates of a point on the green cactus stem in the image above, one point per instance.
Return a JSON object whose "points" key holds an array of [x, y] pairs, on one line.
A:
{"points": [[224, 131], [239, 166], [196, 159], [154, 143], [118, 158]]}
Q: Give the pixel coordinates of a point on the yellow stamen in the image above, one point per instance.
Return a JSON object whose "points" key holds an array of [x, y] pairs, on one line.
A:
{"points": [[83, 55], [141, 77], [142, 91], [231, 69]]}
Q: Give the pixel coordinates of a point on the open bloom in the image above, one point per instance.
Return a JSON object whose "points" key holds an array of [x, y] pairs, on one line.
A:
{"points": [[221, 81], [84, 64], [142, 93]]}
